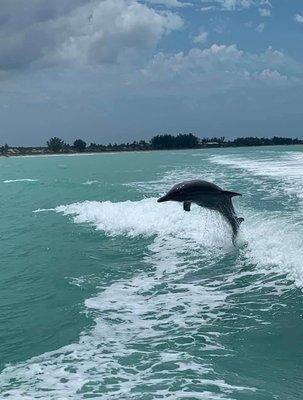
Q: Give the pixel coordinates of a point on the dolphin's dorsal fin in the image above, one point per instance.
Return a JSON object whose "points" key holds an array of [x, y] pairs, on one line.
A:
{"points": [[231, 194], [186, 205]]}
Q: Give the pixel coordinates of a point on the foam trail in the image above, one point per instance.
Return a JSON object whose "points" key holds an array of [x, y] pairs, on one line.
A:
{"points": [[20, 180], [281, 166], [268, 238], [286, 168], [132, 316], [40, 210], [151, 321], [90, 182], [275, 244], [167, 220], [271, 243]]}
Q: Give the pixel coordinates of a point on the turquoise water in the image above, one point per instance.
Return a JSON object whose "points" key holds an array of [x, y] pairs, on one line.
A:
{"points": [[106, 294]]}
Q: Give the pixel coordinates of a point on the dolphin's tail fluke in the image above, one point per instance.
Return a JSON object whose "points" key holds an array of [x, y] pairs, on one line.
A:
{"points": [[235, 223], [227, 210]]}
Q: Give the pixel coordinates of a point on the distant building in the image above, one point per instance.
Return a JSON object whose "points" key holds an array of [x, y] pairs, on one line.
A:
{"points": [[13, 151], [212, 144]]}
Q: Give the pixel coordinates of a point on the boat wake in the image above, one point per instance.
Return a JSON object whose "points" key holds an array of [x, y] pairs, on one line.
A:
{"points": [[151, 328]]}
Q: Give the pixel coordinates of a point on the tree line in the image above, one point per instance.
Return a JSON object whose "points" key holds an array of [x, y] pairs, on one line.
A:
{"points": [[169, 142], [158, 142]]}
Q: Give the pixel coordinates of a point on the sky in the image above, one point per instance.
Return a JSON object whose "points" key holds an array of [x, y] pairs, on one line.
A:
{"points": [[123, 70]]}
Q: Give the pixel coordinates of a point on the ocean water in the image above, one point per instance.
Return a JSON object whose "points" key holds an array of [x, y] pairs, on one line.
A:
{"points": [[106, 294]]}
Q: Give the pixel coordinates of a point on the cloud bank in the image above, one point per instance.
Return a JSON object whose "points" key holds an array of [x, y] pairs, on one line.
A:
{"points": [[82, 33]]}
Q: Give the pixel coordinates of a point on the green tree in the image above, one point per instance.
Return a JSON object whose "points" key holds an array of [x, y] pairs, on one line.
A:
{"points": [[79, 145], [181, 141], [55, 144], [162, 142]]}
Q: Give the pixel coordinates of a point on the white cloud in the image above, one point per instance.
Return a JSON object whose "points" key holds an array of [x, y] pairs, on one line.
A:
{"points": [[264, 12], [170, 92], [95, 32], [299, 18], [232, 5], [266, 3], [228, 5], [270, 75], [208, 8], [260, 27], [201, 38], [170, 3], [219, 68]]}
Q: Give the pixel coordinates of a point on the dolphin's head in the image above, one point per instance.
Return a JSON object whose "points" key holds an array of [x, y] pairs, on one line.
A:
{"points": [[164, 198], [177, 193]]}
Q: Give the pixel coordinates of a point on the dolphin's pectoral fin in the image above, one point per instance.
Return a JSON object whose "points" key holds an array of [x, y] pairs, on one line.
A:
{"points": [[186, 205]]}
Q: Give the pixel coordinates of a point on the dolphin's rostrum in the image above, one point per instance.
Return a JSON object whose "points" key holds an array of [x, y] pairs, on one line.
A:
{"points": [[208, 195]]}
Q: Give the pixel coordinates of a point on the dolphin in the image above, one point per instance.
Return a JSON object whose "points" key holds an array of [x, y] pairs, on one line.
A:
{"points": [[208, 195]]}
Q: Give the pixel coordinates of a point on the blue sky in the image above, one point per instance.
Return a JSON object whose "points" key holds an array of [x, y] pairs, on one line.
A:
{"points": [[121, 70]]}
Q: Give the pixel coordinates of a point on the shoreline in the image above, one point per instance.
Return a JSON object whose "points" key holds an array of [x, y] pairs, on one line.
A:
{"points": [[93, 153]]}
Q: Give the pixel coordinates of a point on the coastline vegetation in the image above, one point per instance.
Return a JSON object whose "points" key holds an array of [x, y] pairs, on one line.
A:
{"points": [[56, 145]]}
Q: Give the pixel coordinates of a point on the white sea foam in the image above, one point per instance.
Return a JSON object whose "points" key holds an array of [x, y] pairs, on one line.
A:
{"points": [[142, 324], [275, 165], [40, 210], [135, 320], [286, 168], [272, 240], [90, 182], [20, 180], [147, 218], [275, 243]]}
